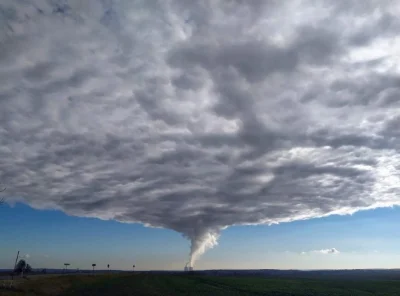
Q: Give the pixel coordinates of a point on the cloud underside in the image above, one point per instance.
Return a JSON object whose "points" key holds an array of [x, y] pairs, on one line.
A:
{"points": [[195, 116]]}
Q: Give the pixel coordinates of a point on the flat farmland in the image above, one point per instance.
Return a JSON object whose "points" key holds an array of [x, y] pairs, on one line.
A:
{"points": [[156, 284]]}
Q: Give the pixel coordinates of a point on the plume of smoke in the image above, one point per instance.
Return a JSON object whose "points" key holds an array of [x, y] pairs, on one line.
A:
{"points": [[202, 243]]}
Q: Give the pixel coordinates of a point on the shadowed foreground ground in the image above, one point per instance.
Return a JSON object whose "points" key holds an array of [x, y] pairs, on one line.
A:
{"points": [[152, 284]]}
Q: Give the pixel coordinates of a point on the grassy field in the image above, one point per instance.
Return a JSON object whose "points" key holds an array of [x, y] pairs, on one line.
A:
{"points": [[151, 284]]}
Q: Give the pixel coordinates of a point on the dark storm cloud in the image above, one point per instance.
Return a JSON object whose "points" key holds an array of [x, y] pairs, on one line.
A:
{"points": [[195, 116]]}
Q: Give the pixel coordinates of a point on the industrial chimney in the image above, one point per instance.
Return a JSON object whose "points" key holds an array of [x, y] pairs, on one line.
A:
{"points": [[188, 268]]}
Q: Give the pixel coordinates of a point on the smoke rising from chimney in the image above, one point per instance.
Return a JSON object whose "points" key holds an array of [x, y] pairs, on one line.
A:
{"points": [[201, 243]]}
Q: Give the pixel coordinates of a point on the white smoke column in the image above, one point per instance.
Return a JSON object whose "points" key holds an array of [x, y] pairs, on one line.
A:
{"points": [[202, 243]]}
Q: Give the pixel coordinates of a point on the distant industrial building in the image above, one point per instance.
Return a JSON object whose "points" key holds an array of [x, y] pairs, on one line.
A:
{"points": [[188, 267]]}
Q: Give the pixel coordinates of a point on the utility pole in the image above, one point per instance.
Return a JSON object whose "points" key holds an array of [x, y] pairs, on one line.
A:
{"points": [[15, 265], [16, 260]]}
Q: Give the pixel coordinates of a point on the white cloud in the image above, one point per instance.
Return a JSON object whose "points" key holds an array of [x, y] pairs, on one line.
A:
{"points": [[332, 251], [328, 251], [198, 115]]}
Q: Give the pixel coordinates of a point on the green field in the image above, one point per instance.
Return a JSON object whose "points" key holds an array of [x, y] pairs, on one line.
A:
{"points": [[151, 284]]}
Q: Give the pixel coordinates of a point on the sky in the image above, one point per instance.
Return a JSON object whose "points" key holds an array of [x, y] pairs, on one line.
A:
{"points": [[194, 116], [367, 239]]}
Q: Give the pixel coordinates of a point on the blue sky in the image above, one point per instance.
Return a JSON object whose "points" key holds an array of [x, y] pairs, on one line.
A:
{"points": [[367, 239]]}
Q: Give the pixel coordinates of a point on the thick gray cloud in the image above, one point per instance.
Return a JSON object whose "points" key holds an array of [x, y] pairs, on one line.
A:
{"points": [[198, 115]]}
